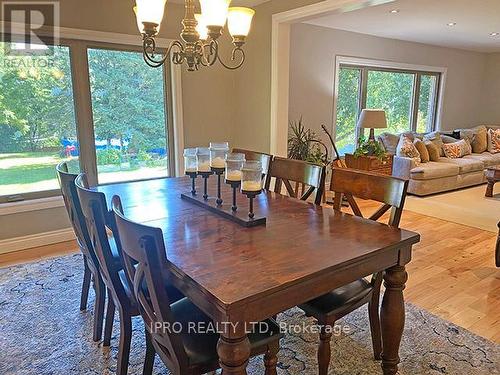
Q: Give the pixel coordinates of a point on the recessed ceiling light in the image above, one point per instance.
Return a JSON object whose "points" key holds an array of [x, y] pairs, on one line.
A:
{"points": [[394, 11], [451, 23], [494, 34]]}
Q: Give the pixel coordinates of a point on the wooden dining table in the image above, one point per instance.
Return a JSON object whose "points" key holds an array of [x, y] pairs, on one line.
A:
{"points": [[240, 275]]}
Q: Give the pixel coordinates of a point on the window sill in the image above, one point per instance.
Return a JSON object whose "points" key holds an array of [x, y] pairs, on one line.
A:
{"points": [[31, 205]]}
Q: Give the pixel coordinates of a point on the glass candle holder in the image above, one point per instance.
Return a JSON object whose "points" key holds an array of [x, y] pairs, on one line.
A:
{"points": [[218, 152], [234, 163], [190, 161], [251, 176], [203, 159]]}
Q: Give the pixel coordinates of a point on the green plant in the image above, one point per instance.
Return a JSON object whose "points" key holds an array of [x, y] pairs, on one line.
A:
{"points": [[369, 147], [304, 144], [109, 156]]}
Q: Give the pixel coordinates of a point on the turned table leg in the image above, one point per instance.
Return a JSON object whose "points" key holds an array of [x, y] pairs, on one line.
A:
{"points": [[392, 317], [489, 189], [234, 353]]}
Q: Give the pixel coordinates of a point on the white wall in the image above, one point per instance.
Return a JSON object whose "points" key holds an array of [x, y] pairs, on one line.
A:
{"points": [[312, 63], [490, 113]]}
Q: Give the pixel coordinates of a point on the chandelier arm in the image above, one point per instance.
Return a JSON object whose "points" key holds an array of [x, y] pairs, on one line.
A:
{"points": [[233, 58], [149, 48]]}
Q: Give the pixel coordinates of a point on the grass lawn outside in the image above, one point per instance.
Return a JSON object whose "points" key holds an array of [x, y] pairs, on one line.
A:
{"points": [[35, 171]]}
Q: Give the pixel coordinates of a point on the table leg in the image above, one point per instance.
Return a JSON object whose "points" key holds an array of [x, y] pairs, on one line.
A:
{"points": [[489, 189], [234, 354], [392, 317]]}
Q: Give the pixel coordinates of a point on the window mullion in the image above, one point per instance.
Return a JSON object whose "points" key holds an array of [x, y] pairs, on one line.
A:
{"points": [[362, 101], [415, 102], [83, 110]]}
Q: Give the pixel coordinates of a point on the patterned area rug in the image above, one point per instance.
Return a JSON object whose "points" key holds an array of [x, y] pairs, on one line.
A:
{"points": [[43, 332]]}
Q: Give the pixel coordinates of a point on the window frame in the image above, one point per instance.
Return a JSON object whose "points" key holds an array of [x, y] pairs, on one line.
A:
{"points": [[366, 65], [82, 102]]}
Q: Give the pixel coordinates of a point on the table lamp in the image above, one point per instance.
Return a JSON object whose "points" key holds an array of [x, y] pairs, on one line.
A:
{"points": [[372, 119]]}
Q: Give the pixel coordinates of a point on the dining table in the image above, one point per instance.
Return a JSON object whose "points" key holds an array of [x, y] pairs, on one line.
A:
{"points": [[238, 275]]}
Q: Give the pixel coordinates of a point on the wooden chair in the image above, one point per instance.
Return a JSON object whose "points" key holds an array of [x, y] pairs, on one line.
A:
{"points": [[302, 173], [184, 352], [90, 262], [329, 308], [264, 158], [120, 295]]}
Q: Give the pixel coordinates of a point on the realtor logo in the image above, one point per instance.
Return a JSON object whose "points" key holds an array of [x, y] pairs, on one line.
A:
{"points": [[29, 27]]}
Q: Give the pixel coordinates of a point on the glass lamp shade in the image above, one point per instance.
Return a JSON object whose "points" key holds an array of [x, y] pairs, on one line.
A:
{"points": [[239, 20], [149, 11], [201, 27], [215, 11]]}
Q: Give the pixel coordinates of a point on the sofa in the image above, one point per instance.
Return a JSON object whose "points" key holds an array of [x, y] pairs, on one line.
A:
{"points": [[444, 174]]}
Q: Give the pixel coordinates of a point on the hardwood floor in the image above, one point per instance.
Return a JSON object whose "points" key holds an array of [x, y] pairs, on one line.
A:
{"points": [[452, 274]]}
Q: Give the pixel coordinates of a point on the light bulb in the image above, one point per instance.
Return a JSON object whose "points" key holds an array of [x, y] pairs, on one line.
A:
{"points": [[149, 11], [201, 27]]}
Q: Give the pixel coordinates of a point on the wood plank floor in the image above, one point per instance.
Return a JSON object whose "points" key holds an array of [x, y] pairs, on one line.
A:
{"points": [[452, 273]]}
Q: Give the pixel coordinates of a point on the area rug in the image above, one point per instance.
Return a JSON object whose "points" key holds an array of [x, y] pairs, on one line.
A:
{"points": [[43, 332], [466, 206]]}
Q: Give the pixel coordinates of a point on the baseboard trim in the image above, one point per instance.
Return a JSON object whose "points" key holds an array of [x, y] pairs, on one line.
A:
{"points": [[34, 240]]}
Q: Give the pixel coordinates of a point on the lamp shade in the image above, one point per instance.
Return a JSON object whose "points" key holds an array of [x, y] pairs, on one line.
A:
{"points": [[239, 20], [372, 119], [201, 27], [215, 11], [149, 11]]}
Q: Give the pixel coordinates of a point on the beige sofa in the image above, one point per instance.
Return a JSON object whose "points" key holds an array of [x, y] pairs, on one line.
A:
{"points": [[443, 175]]}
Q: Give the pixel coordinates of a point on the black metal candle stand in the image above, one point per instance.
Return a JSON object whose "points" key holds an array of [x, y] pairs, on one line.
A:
{"points": [[218, 172], [205, 176], [235, 185], [251, 196], [217, 206], [192, 176]]}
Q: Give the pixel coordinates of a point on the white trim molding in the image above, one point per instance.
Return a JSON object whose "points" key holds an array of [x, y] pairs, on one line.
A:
{"points": [[280, 60], [35, 240], [31, 205]]}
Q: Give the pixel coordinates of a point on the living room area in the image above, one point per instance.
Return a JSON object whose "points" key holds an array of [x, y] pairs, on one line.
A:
{"points": [[430, 79]]}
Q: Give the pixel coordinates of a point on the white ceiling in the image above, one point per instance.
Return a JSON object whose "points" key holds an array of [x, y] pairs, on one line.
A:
{"points": [[241, 3], [425, 21]]}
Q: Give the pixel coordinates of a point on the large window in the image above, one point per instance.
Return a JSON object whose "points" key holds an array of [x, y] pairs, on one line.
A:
{"points": [[408, 97], [37, 121], [129, 118], [121, 134]]}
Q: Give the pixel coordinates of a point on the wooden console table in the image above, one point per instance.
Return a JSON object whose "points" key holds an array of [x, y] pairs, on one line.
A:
{"points": [[370, 163]]}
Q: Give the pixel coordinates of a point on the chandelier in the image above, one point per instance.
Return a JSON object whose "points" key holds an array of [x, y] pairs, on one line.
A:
{"points": [[199, 45]]}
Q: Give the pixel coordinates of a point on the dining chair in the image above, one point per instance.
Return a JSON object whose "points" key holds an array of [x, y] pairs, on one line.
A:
{"points": [[183, 351], [329, 308], [120, 296], [264, 158], [90, 262], [303, 174]]}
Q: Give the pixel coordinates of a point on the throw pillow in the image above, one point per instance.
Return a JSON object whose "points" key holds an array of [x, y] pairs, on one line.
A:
{"points": [[477, 137], [389, 141], [448, 138], [494, 141], [433, 151], [457, 150], [435, 137], [407, 149], [422, 150]]}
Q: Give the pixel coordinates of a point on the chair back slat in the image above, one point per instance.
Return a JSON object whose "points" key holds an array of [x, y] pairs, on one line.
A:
{"points": [[384, 189], [74, 209], [144, 255], [285, 171], [98, 221]]}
